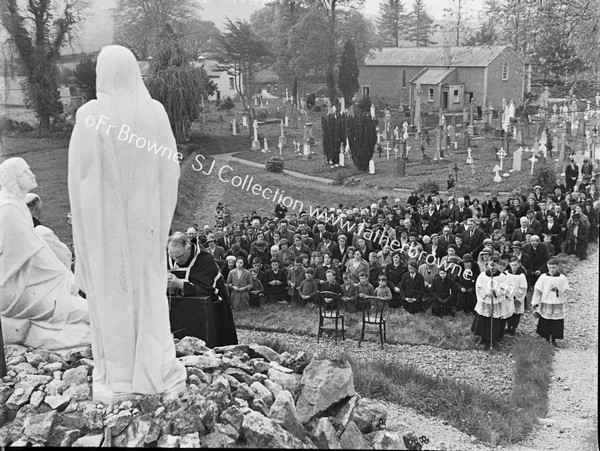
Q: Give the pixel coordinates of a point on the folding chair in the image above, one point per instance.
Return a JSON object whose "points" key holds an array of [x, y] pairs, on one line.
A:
{"points": [[373, 314], [329, 309]]}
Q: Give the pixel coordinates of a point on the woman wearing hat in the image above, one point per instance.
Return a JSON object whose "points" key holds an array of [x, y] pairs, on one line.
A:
{"points": [[356, 265], [552, 228], [239, 282], [394, 272]]}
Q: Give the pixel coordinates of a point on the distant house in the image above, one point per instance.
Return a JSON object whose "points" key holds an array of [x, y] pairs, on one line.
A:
{"points": [[449, 77], [224, 81]]}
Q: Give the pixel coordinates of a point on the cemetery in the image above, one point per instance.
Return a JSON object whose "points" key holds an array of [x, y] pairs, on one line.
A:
{"points": [[399, 251]]}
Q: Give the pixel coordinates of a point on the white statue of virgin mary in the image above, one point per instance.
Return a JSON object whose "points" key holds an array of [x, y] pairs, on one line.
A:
{"points": [[123, 199]]}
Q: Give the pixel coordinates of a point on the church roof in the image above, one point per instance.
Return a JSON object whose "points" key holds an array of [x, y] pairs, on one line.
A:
{"points": [[480, 56], [433, 76]]}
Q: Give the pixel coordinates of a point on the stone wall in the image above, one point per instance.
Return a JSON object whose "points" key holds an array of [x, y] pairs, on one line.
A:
{"points": [[238, 396]]}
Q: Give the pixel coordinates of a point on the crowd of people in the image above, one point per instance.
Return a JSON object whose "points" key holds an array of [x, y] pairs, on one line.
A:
{"points": [[487, 257]]}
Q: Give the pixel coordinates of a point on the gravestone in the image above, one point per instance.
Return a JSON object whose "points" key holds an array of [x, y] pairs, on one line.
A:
{"points": [[469, 157], [280, 145], [501, 155], [497, 177], [234, 127], [543, 150], [282, 139], [306, 151], [341, 158], [372, 110], [405, 133], [536, 148], [266, 148], [396, 133], [452, 136], [417, 118], [438, 145], [371, 167], [533, 160], [245, 121], [287, 121], [400, 167], [517, 158], [255, 142]]}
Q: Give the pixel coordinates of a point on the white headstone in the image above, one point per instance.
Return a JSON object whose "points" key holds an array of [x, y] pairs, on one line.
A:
{"points": [[306, 150], [266, 146], [286, 121], [280, 146], [342, 105], [497, 177], [405, 133], [245, 121], [396, 133], [533, 159], [543, 150], [342, 159], [372, 109], [517, 157], [469, 157], [371, 167], [234, 127]]}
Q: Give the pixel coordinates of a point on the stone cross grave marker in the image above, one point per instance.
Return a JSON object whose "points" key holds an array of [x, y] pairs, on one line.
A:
{"points": [[396, 133], [517, 159], [501, 154], [533, 159], [255, 142], [387, 148], [497, 177], [469, 157]]}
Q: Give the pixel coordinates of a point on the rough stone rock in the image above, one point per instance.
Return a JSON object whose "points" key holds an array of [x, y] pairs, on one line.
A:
{"points": [[323, 434], [273, 387], [135, 434], [351, 438], [278, 367], [35, 380], [18, 424], [245, 392], [5, 392], [36, 428], [283, 411], [368, 416], [342, 417], [75, 376], [386, 440], [263, 398], [119, 422], [190, 346], [52, 367], [191, 440], [235, 362], [15, 360], [36, 357], [233, 382], [62, 436], [20, 396], [37, 397], [89, 441], [204, 377], [171, 401], [262, 432], [323, 384], [186, 422], [265, 352], [227, 429], [298, 363], [239, 375], [73, 355], [260, 366], [79, 392], [148, 403], [55, 387], [234, 417], [92, 416], [206, 361], [57, 402], [217, 440], [237, 350], [24, 368], [288, 381], [219, 391], [259, 377], [87, 363], [168, 441]]}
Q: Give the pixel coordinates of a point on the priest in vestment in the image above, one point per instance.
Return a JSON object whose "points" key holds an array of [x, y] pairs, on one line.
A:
{"points": [[123, 195]]}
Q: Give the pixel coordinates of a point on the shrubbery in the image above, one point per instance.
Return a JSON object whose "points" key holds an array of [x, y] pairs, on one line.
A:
{"points": [[274, 164], [364, 104], [311, 99], [544, 176], [428, 187], [226, 104]]}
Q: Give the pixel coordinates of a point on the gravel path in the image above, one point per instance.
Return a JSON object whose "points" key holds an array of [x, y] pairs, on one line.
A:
{"points": [[571, 423]]}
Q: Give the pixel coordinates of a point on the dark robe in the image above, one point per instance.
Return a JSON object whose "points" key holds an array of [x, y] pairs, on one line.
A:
{"points": [[205, 279], [443, 293], [412, 288], [2, 358]]}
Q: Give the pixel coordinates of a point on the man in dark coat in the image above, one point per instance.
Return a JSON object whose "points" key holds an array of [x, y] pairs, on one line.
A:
{"points": [[193, 272], [571, 175], [412, 289], [538, 253], [473, 238]]}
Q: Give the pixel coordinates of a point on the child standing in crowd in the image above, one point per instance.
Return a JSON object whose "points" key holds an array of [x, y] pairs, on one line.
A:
{"points": [[364, 289], [295, 276], [383, 291], [308, 288], [257, 291], [349, 293], [549, 302]]}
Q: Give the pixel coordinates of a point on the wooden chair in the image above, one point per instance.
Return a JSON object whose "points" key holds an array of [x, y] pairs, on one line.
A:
{"points": [[329, 310], [374, 315]]}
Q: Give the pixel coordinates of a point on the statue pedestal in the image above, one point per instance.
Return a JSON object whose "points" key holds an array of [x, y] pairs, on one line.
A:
{"points": [[255, 145]]}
